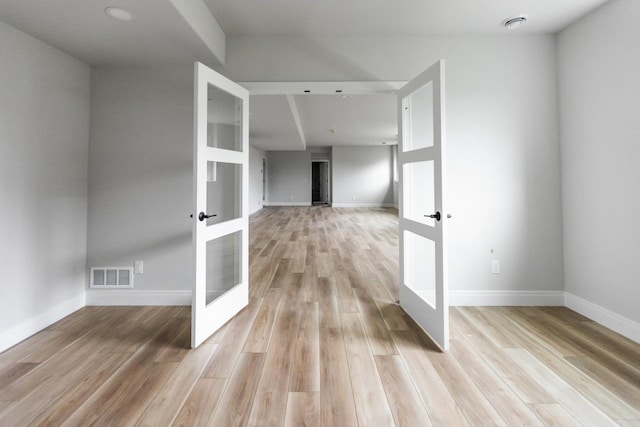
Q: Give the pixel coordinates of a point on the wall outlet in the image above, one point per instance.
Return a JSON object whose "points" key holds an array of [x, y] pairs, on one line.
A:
{"points": [[495, 266], [138, 267]]}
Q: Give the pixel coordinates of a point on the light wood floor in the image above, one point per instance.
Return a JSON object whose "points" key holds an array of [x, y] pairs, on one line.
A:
{"points": [[322, 344]]}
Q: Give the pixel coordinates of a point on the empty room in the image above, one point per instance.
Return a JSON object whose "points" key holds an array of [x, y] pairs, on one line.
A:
{"points": [[337, 213]]}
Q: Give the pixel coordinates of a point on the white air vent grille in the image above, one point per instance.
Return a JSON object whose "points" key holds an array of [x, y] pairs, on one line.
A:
{"points": [[111, 277]]}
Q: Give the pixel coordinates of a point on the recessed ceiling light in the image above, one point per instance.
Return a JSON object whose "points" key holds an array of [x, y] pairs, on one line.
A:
{"points": [[119, 13], [515, 22]]}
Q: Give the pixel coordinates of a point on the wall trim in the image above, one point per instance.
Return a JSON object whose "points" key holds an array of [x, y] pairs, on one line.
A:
{"points": [[363, 205], [31, 326], [595, 312], [506, 298], [137, 297], [287, 204], [620, 324], [257, 210]]}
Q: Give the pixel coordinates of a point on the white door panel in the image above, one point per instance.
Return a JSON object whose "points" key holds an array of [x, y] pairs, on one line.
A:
{"points": [[220, 223], [422, 208]]}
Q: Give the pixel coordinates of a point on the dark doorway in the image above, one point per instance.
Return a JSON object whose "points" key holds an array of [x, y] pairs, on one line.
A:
{"points": [[320, 182]]}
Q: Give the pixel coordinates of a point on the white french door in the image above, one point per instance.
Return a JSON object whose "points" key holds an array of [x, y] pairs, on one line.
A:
{"points": [[220, 220], [423, 218]]}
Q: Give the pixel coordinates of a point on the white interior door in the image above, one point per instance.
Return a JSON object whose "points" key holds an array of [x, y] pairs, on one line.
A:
{"points": [[220, 222], [423, 218]]}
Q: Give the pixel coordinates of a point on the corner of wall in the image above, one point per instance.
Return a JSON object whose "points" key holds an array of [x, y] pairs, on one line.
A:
{"points": [[35, 324], [620, 324]]}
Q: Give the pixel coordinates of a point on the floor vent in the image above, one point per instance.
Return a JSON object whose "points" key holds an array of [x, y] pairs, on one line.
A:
{"points": [[111, 277]]}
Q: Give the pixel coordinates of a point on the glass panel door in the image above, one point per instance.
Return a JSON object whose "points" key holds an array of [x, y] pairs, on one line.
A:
{"points": [[220, 223], [423, 219]]}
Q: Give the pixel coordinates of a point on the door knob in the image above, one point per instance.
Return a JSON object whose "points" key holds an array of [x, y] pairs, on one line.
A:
{"points": [[204, 216], [435, 215]]}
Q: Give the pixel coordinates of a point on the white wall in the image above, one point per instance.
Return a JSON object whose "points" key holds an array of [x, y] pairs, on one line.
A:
{"points": [[140, 181], [255, 179], [599, 59], [44, 130], [289, 178], [362, 176], [502, 137]]}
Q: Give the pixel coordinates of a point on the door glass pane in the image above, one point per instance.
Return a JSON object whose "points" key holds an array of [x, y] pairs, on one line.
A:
{"points": [[420, 266], [223, 264], [418, 192], [224, 191], [417, 119], [224, 120]]}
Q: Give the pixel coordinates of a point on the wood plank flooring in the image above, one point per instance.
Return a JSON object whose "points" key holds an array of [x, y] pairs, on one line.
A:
{"points": [[322, 343]]}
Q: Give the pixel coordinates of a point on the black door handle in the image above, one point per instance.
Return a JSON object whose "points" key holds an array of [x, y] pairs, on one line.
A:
{"points": [[204, 216], [435, 215]]}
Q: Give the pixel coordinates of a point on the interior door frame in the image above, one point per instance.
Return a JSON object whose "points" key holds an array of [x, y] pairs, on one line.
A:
{"points": [[326, 163], [264, 181]]}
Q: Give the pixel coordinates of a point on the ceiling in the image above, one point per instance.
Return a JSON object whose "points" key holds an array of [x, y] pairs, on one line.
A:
{"points": [[181, 31], [158, 34], [323, 120], [383, 17]]}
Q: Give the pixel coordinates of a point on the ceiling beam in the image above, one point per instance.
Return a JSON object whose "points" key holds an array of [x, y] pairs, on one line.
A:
{"points": [[204, 24], [296, 119]]}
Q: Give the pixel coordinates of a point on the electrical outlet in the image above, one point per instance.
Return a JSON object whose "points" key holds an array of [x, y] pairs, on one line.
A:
{"points": [[138, 267], [495, 266]]}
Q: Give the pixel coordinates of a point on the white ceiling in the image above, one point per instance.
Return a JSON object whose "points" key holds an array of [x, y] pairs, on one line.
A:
{"points": [[271, 124], [325, 120], [369, 17], [159, 35], [348, 120]]}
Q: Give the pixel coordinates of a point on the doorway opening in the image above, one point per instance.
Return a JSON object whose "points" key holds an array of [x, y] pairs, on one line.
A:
{"points": [[420, 124], [264, 181], [320, 182]]}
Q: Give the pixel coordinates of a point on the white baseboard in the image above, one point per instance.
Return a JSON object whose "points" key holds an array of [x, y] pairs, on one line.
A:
{"points": [[599, 314], [137, 297], [620, 324], [362, 205], [37, 323], [256, 211], [506, 298], [288, 204]]}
